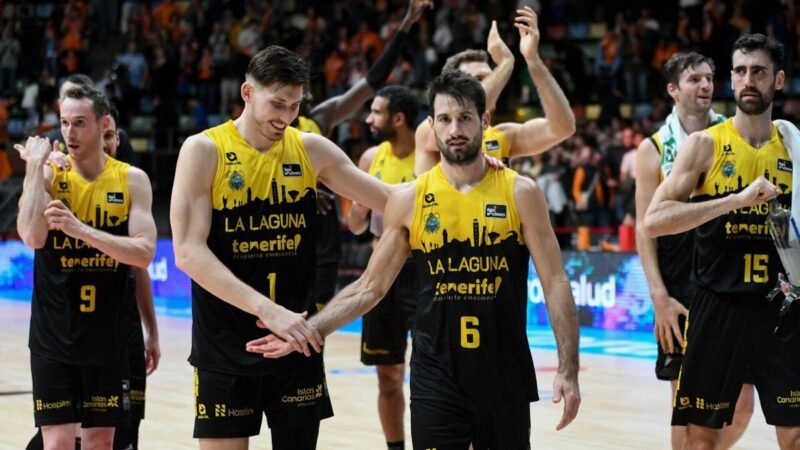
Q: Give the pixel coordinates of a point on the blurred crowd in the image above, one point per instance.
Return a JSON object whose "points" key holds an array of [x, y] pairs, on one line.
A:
{"points": [[180, 64]]}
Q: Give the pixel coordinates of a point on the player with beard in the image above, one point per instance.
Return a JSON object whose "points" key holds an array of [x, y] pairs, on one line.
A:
{"points": [[508, 140], [666, 261], [728, 173], [471, 232], [384, 332], [243, 216]]}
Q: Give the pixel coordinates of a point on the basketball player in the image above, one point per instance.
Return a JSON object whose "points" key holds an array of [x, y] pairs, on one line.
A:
{"points": [[508, 140], [728, 172], [243, 217], [666, 261], [87, 222], [384, 332], [471, 231]]}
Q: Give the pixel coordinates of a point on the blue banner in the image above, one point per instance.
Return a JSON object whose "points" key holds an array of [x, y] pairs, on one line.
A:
{"points": [[610, 289]]}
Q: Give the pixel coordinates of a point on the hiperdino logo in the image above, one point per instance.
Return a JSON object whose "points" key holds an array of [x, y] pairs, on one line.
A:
{"points": [[279, 244]]}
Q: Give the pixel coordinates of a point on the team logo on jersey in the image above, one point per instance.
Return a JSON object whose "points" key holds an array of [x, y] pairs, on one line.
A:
{"points": [[494, 144], [496, 211], [429, 200], [784, 165], [432, 223], [236, 180], [292, 170], [115, 197], [232, 158], [63, 186], [727, 169], [727, 150]]}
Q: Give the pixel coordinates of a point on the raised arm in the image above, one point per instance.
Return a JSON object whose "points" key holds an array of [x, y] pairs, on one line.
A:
{"points": [[358, 216], [542, 244], [147, 312], [31, 223], [670, 212], [504, 60], [190, 218], [338, 172], [667, 309], [539, 134], [363, 294], [336, 110]]}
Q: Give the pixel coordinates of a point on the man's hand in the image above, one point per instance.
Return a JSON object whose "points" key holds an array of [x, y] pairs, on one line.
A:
{"points": [[152, 353], [495, 46], [414, 12], [528, 25], [35, 150], [493, 162], [667, 310], [566, 387], [59, 217], [325, 202], [270, 346], [759, 191], [292, 328]]}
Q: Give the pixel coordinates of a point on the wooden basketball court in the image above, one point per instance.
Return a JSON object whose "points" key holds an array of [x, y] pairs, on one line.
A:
{"points": [[624, 406]]}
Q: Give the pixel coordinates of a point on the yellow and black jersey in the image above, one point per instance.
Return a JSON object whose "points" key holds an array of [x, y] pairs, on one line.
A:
{"points": [[308, 125], [734, 253], [390, 169], [263, 228], [472, 270], [496, 145], [79, 294]]}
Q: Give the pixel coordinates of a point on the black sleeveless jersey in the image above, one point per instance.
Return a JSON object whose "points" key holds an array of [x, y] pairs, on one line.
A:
{"points": [[734, 253], [78, 312], [472, 271], [263, 227]]}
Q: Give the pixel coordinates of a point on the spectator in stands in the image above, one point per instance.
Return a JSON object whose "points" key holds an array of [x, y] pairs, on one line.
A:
{"points": [[9, 54]]}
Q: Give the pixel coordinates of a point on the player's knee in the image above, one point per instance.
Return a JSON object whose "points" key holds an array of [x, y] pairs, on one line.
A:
{"points": [[701, 438], [390, 378], [745, 405], [788, 438]]}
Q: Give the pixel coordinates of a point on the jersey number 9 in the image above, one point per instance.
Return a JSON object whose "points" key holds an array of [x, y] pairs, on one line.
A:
{"points": [[88, 296]]}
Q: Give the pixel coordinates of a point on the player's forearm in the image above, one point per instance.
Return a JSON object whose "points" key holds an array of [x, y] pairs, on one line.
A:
{"points": [[203, 267], [144, 302], [673, 217], [557, 110], [564, 320], [648, 256], [496, 82], [31, 223], [353, 301], [136, 251], [336, 110]]}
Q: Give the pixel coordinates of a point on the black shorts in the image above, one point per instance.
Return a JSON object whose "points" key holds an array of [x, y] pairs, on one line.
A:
{"points": [[94, 396], [445, 416], [230, 406], [384, 332], [137, 381], [325, 284], [726, 337]]}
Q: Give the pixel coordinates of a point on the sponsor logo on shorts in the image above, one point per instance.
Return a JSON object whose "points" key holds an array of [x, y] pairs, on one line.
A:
{"points": [[222, 410], [792, 399], [42, 405], [373, 351], [305, 395], [102, 402]]}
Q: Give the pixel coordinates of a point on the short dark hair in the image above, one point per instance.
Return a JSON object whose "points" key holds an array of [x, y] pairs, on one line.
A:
{"points": [[79, 79], [757, 41], [276, 64], [401, 100], [459, 85], [681, 61], [114, 113], [467, 56], [100, 104]]}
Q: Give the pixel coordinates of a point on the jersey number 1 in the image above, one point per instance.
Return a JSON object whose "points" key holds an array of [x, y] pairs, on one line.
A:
{"points": [[470, 336], [272, 278]]}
